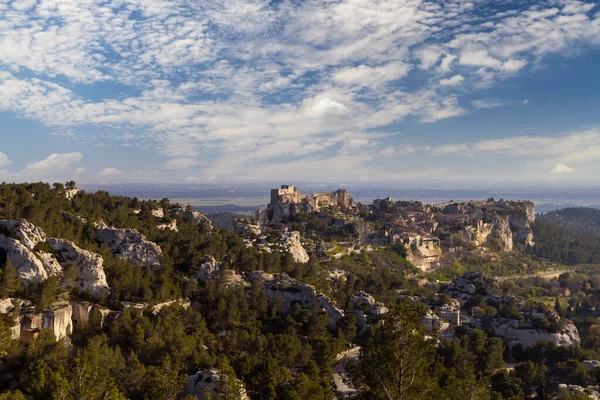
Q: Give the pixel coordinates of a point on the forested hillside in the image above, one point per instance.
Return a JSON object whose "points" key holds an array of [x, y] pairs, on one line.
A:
{"points": [[579, 221], [191, 310]]}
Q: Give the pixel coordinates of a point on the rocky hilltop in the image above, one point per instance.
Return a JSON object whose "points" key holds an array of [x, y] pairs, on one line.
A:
{"points": [[427, 231]]}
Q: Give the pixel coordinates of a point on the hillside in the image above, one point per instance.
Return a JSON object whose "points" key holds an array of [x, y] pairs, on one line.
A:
{"points": [[579, 221]]}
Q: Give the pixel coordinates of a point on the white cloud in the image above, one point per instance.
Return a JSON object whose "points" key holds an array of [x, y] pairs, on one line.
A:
{"points": [[560, 168], [79, 171], [453, 81], [106, 172], [4, 160], [55, 162], [488, 103], [371, 76], [525, 102]]}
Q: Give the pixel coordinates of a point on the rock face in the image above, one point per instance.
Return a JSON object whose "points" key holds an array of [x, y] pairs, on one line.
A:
{"points": [[158, 213], [28, 266], [58, 320], [71, 193], [89, 265], [212, 381], [292, 291], [31, 265], [192, 216], [512, 333], [9, 304], [290, 241], [130, 245], [425, 252], [27, 233], [211, 270], [365, 306]]}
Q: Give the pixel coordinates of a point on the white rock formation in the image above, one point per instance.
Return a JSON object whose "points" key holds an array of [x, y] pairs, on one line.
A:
{"points": [[58, 319], [50, 263], [9, 304], [28, 266], [91, 272], [182, 302], [27, 233], [213, 382], [365, 306], [84, 310], [130, 245], [211, 270], [292, 291], [158, 213], [290, 241], [192, 216], [71, 193], [512, 333], [172, 226]]}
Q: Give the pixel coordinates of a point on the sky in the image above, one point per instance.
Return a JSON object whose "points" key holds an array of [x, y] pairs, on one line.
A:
{"points": [[204, 91]]}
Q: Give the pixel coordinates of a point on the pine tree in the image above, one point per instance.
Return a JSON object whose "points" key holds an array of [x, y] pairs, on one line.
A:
{"points": [[10, 280]]}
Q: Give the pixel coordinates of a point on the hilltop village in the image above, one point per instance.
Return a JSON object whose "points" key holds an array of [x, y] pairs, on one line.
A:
{"points": [[302, 287]]}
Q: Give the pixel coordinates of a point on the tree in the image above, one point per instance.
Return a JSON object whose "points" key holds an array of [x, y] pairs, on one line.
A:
{"points": [[164, 382], [393, 365], [558, 307], [10, 280]]}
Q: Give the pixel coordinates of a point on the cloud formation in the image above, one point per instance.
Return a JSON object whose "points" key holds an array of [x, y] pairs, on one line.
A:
{"points": [[228, 86]]}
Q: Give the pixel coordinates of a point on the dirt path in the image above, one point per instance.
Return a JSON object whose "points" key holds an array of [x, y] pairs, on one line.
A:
{"points": [[544, 275]]}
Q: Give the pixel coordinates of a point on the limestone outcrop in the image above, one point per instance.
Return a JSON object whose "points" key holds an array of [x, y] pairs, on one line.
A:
{"points": [[365, 308], [290, 241], [211, 382], [513, 332], [29, 267], [90, 268], [212, 270], [19, 241], [158, 213], [171, 226], [130, 245], [58, 319], [10, 304], [291, 291], [25, 232], [192, 216]]}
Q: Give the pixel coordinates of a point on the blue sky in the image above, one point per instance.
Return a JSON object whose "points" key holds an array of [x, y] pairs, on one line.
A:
{"points": [[404, 91]]}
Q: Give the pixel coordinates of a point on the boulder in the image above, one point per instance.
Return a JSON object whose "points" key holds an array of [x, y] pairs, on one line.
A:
{"points": [[71, 193], [158, 213], [172, 226], [89, 265], [130, 245], [291, 291], [9, 304], [212, 382]]}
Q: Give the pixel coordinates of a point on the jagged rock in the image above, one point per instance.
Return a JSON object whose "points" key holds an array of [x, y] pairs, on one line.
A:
{"points": [[9, 304], [130, 245], [158, 213], [451, 312], [71, 193], [291, 243], [29, 267], [211, 270], [172, 226], [91, 272], [365, 306], [292, 291], [511, 331], [27, 233], [424, 253], [211, 381], [194, 217]]}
